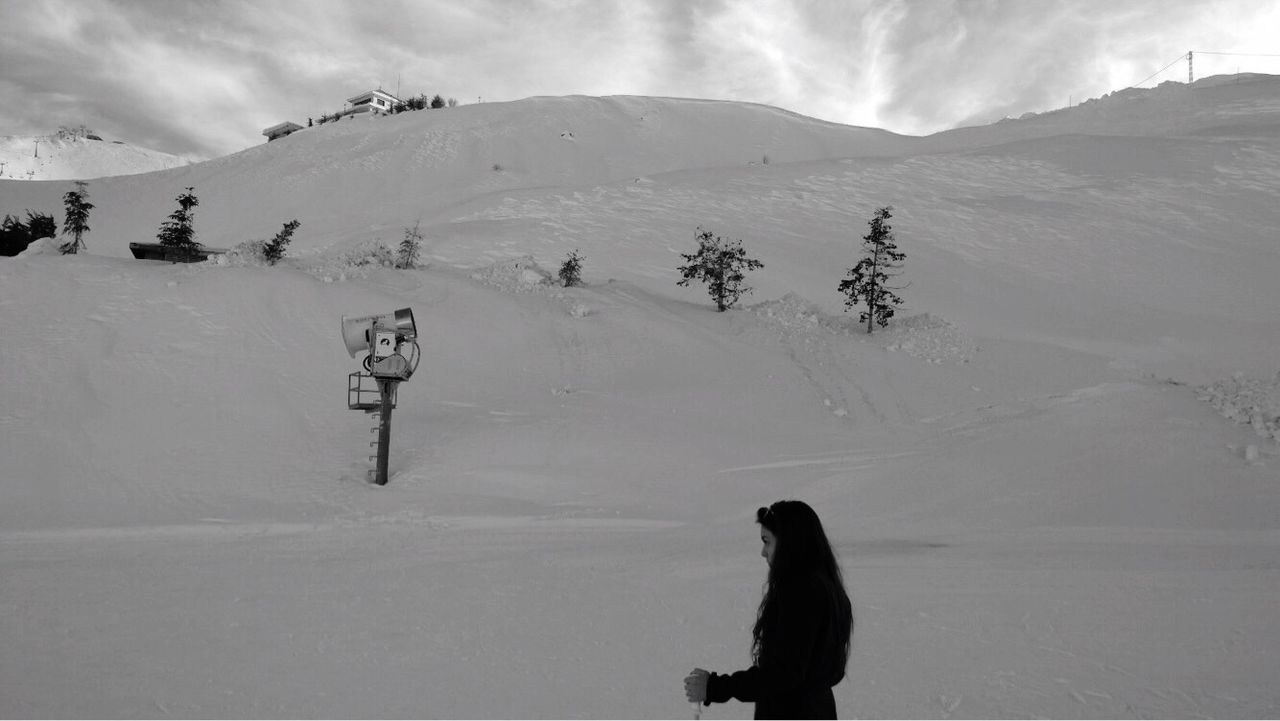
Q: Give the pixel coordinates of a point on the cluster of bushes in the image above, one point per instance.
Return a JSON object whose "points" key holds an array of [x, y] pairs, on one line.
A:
{"points": [[722, 265], [178, 232], [16, 236], [421, 102], [66, 132]]}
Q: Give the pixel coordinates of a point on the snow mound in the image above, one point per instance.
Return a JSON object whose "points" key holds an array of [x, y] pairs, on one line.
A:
{"points": [[928, 337], [924, 336], [251, 253], [516, 275], [792, 313], [523, 275], [328, 265], [1248, 400], [354, 262], [42, 246]]}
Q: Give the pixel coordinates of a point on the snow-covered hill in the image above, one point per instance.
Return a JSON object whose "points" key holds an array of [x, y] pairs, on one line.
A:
{"points": [[1040, 502], [68, 157]]}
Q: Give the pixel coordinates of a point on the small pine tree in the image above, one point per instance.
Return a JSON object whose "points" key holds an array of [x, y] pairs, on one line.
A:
{"points": [[178, 232], [868, 280], [273, 251], [437, 102], [410, 247], [571, 270], [721, 264], [76, 223], [40, 225]]}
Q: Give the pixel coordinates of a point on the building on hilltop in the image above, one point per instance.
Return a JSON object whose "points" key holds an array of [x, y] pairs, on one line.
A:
{"points": [[375, 101], [281, 130]]}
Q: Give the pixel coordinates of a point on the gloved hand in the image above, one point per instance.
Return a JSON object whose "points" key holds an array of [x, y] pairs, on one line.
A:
{"points": [[695, 685]]}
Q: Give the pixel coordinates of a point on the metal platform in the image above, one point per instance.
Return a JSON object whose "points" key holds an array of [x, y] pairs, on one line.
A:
{"points": [[363, 393]]}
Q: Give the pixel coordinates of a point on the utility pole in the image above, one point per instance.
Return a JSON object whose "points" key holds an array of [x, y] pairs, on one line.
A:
{"points": [[37, 148], [1190, 76]]}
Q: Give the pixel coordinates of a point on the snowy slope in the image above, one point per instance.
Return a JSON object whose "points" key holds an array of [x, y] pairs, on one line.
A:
{"points": [[1038, 510], [368, 177], [76, 158], [1242, 105]]}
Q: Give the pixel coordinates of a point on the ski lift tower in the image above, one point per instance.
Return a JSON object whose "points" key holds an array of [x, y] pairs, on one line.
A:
{"points": [[386, 338]]}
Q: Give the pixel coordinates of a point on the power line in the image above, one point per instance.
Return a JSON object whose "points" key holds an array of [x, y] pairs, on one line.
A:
{"points": [[1179, 59], [1187, 57], [1243, 55]]}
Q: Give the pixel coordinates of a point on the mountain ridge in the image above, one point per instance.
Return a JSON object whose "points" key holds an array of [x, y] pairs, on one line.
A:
{"points": [[50, 157]]}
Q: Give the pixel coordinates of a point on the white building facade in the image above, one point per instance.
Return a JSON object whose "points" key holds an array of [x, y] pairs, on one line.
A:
{"points": [[374, 101]]}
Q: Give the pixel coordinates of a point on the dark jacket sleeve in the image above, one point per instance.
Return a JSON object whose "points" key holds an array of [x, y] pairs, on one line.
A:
{"points": [[784, 667]]}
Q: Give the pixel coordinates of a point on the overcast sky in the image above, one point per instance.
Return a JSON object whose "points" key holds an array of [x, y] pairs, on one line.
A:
{"points": [[202, 79]]}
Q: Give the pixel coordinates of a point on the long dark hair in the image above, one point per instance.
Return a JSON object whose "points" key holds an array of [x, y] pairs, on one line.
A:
{"points": [[803, 557]]}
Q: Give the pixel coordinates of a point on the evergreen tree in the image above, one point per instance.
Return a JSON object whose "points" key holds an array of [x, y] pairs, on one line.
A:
{"points": [[437, 102], [76, 222], [721, 264], [40, 225], [571, 270], [13, 236], [178, 232], [868, 280], [16, 235], [407, 254], [273, 251]]}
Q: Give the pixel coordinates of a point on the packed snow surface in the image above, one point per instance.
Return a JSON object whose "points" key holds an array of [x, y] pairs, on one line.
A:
{"points": [[1053, 480]]}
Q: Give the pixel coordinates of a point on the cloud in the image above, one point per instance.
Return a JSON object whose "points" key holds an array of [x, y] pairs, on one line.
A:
{"points": [[203, 78], [960, 62]]}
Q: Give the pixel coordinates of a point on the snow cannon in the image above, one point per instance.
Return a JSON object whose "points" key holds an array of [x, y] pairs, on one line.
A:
{"points": [[384, 337]]}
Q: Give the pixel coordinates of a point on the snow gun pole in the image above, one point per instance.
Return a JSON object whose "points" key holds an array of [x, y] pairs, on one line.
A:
{"points": [[387, 388], [383, 337]]}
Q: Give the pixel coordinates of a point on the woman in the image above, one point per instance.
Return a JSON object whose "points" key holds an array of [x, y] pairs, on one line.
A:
{"points": [[800, 643]]}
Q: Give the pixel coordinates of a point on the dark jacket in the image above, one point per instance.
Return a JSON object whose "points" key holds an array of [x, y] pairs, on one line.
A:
{"points": [[801, 658]]}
